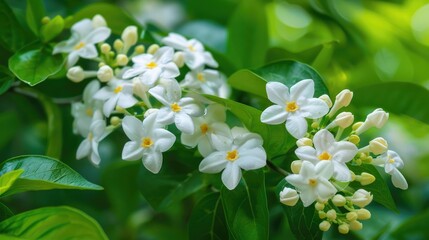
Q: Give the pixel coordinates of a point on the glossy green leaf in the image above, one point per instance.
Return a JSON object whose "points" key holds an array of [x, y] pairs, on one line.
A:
{"points": [[34, 64], [5, 212], [52, 223], [378, 188], [52, 29], [207, 220], [117, 19], [12, 35], [35, 13], [6, 79], [43, 173], [247, 34], [304, 221], [277, 141], [287, 72], [245, 207], [9, 125], [397, 97], [413, 228], [7, 179]]}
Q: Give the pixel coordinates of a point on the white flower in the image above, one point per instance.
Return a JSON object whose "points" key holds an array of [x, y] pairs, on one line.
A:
{"points": [[361, 198], [148, 141], [312, 182], [82, 41], [293, 107], [117, 92], [89, 146], [176, 109], [83, 112], [375, 119], [243, 150], [391, 162], [194, 53], [326, 149], [206, 80], [212, 123], [289, 196], [150, 67]]}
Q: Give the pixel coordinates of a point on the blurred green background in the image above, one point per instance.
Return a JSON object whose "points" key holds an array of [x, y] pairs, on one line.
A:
{"points": [[378, 49]]}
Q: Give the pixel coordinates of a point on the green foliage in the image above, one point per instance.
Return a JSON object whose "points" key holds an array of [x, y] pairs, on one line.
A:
{"points": [[35, 13], [12, 35], [52, 29], [412, 227], [245, 207], [52, 223], [5, 212], [8, 126], [6, 79], [7, 180], [43, 173]]}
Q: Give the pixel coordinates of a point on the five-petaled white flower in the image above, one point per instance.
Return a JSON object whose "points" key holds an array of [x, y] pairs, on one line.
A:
{"points": [[176, 109], [82, 41], [194, 53], [328, 150], [391, 162], [242, 150], [117, 92], [312, 182], [148, 141], [207, 81], [89, 146], [293, 107], [150, 68], [212, 123], [84, 111]]}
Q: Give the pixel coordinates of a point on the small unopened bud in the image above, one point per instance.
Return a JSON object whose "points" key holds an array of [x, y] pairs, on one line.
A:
{"points": [[105, 73], [153, 48], [355, 139], [366, 178], [105, 48], [150, 111], [353, 175], [295, 166], [363, 214], [129, 36], [304, 142], [344, 119], [326, 99], [343, 228], [45, 20], [122, 59], [343, 99], [361, 198], [356, 125], [339, 200], [319, 206], [115, 121], [179, 59], [76, 74], [375, 119], [351, 216], [118, 45], [378, 145], [289, 196], [139, 49], [355, 225], [331, 214], [98, 21], [324, 226], [314, 125], [322, 214]]}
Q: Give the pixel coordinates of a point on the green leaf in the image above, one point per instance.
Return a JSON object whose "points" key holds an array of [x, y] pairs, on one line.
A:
{"points": [[248, 35], [117, 20], [276, 139], [5, 212], [7, 179], [286, 72], [52, 29], [9, 125], [8, 237], [6, 79], [207, 220], [378, 188], [245, 207], [43, 173], [401, 98], [12, 35], [413, 228], [35, 13], [53, 223], [304, 221], [34, 64]]}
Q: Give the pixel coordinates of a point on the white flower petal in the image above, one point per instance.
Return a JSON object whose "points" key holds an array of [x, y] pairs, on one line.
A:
{"points": [[150, 76], [110, 105], [97, 35], [84, 149], [209, 60], [216, 113], [190, 140], [314, 108], [231, 176], [296, 126], [323, 140], [184, 123], [164, 55], [158, 92], [399, 180], [170, 70], [132, 72], [126, 100], [274, 114], [90, 89], [205, 147], [213, 163], [82, 28], [221, 143], [252, 159], [88, 52], [104, 93], [176, 41], [164, 139], [344, 151], [132, 151], [132, 128], [302, 89], [277, 93], [165, 116], [325, 189], [307, 197], [152, 161], [72, 59], [324, 169], [341, 172], [307, 153]]}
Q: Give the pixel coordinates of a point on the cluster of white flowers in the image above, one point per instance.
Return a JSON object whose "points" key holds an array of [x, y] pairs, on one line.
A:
{"points": [[321, 173], [144, 96]]}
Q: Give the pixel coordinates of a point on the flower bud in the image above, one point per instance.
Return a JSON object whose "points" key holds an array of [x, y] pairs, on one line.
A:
{"points": [[378, 145], [295, 166], [326, 99], [331, 214], [122, 59], [105, 73], [139, 49], [355, 225], [361, 198], [105, 48], [129, 36], [118, 45], [315, 125], [319, 206], [153, 48], [98, 21], [115, 121], [375, 119], [339, 200], [324, 226], [355, 139], [179, 59], [45, 20], [343, 228], [289, 196], [344, 119], [304, 142], [363, 214], [322, 214], [343, 99], [356, 125], [76, 74], [351, 216], [150, 111], [366, 178]]}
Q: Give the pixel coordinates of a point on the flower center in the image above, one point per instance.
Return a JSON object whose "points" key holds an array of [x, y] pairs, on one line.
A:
{"points": [[90, 136], [147, 142], [79, 46], [175, 107], [232, 155], [89, 112], [151, 65], [391, 160], [118, 89], [200, 77], [204, 128], [291, 106], [325, 156], [191, 48], [312, 182]]}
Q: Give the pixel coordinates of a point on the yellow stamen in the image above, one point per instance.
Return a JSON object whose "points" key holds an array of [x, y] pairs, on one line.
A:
{"points": [[90, 136], [89, 112], [200, 77], [312, 182], [147, 142], [151, 65], [325, 156], [291, 106], [391, 160], [232, 155], [118, 89], [204, 128], [175, 107], [191, 48], [79, 46]]}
